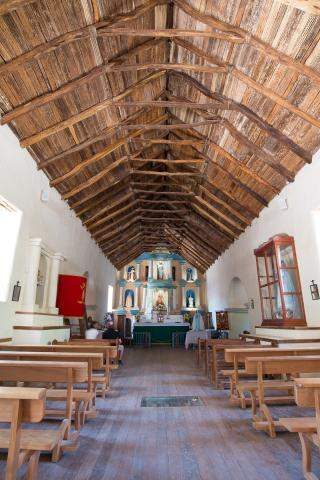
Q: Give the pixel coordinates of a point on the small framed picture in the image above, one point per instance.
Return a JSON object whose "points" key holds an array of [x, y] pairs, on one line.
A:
{"points": [[16, 292]]}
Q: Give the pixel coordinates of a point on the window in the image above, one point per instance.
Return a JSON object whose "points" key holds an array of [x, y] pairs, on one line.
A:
{"points": [[146, 272], [10, 219], [110, 299]]}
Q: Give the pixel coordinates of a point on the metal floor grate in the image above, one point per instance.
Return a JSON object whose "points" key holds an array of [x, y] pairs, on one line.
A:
{"points": [[183, 401]]}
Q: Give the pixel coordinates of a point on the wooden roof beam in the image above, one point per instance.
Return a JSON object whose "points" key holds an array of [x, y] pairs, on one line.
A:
{"points": [[121, 232], [169, 33], [98, 176], [101, 154], [235, 180], [44, 48], [83, 79], [110, 216], [263, 156], [250, 114], [250, 82], [110, 225], [134, 219], [251, 40], [126, 245], [91, 220], [89, 112], [310, 6]]}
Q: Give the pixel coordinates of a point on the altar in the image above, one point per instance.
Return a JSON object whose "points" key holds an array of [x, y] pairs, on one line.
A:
{"points": [[161, 333]]}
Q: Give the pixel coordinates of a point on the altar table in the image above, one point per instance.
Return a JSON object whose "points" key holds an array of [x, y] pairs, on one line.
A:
{"points": [[192, 337], [161, 332]]}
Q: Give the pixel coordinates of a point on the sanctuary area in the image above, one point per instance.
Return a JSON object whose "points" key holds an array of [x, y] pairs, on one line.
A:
{"points": [[159, 239]]}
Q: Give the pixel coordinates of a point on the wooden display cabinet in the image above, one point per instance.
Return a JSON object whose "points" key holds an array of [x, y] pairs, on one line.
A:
{"points": [[279, 283]]}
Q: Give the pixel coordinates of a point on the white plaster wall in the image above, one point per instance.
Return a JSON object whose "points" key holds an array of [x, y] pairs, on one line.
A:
{"points": [[54, 222], [301, 220]]}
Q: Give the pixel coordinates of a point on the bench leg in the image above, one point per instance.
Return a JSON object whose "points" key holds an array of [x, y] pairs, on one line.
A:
{"points": [[253, 403], [32, 472], [306, 457], [265, 410]]}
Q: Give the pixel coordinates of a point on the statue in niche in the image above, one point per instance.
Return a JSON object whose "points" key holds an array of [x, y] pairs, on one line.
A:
{"points": [[129, 301], [131, 277], [190, 297], [160, 271], [159, 300], [190, 274], [191, 302]]}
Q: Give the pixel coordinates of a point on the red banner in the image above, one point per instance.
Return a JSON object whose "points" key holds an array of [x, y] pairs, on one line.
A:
{"points": [[71, 295]]}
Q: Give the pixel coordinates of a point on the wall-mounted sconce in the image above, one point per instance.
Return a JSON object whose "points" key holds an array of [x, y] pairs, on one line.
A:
{"points": [[252, 303], [16, 292], [314, 291]]}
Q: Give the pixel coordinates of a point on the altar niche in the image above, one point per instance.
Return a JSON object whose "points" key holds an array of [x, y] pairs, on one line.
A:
{"points": [[159, 284]]}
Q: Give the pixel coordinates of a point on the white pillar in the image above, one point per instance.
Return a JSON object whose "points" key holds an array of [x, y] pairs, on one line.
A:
{"points": [[150, 269], [138, 271], [197, 297], [53, 282], [120, 297], [183, 293], [174, 298], [143, 305], [136, 292], [30, 289]]}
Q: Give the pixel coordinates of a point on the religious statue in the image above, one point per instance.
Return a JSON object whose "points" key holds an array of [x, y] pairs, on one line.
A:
{"points": [[159, 300], [160, 271], [131, 274], [190, 301], [190, 275], [129, 299]]}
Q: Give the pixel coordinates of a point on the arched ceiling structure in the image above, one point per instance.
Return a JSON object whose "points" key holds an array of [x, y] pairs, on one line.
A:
{"points": [[163, 123]]}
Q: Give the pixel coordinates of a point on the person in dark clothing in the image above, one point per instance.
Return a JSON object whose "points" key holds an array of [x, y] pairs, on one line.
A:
{"points": [[112, 334]]}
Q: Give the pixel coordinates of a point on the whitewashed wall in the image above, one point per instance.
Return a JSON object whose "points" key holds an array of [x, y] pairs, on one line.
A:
{"points": [[53, 222], [301, 220]]}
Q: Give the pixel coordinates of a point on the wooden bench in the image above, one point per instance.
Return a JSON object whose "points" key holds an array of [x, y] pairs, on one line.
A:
{"points": [[110, 353], [26, 405], [239, 386], [276, 365], [200, 350], [307, 394], [80, 397], [35, 372], [215, 358]]}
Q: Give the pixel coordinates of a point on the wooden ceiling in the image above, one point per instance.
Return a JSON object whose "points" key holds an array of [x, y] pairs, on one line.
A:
{"points": [[163, 123]]}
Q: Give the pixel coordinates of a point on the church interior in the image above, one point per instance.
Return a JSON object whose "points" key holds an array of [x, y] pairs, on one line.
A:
{"points": [[159, 239]]}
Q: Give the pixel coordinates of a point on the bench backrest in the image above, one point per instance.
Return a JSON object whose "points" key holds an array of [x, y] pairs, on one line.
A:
{"points": [[102, 341], [31, 402], [94, 359], [306, 390], [283, 364], [240, 354], [106, 350], [41, 371]]}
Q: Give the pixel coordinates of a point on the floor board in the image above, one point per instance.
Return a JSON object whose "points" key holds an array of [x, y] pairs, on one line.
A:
{"points": [[210, 442]]}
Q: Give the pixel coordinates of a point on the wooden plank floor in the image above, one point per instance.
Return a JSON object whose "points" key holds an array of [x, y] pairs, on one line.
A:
{"points": [[211, 442]]}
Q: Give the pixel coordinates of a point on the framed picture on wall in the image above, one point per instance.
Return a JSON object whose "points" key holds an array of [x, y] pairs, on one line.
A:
{"points": [[16, 292], [222, 320]]}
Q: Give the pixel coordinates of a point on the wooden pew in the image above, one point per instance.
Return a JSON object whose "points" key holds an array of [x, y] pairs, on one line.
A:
{"points": [[307, 395], [80, 397], [277, 365], [200, 350], [102, 341], [19, 405], [35, 372], [215, 356], [109, 353], [240, 386]]}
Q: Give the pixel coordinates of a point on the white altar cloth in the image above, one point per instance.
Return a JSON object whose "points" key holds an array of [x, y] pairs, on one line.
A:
{"points": [[192, 337]]}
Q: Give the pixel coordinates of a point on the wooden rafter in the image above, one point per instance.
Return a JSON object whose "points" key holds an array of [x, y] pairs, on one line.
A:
{"points": [[89, 112]]}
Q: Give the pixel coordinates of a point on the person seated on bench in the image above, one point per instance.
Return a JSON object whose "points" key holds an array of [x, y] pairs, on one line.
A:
{"points": [[111, 333], [93, 331]]}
